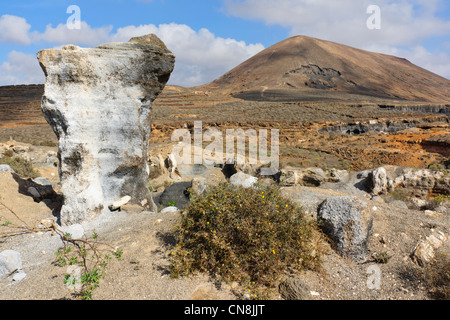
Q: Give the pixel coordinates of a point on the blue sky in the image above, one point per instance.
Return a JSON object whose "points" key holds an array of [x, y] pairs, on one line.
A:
{"points": [[209, 37]]}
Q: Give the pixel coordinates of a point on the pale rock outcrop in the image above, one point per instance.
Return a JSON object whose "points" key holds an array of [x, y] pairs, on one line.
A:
{"points": [[424, 251], [98, 103], [379, 181], [413, 182], [311, 176]]}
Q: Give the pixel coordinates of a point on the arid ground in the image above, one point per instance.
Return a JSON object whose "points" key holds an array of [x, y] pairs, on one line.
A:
{"points": [[354, 112]]}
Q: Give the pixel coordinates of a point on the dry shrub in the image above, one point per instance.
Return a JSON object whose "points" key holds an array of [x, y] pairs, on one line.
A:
{"points": [[21, 166], [250, 236], [437, 277], [434, 277]]}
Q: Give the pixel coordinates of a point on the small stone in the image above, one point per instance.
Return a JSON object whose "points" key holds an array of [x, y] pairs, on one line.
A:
{"points": [[171, 209], [19, 275], [5, 168], [378, 181], [34, 192], [423, 253], [42, 181], [288, 177], [310, 177], [10, 261], [119, 203], [243, 179], [432, 213]]}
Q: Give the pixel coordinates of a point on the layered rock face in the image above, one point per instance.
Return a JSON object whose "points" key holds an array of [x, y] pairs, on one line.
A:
{"points": [[98, 103]]}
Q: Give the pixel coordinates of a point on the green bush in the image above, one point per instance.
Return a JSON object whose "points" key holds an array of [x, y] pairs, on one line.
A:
{"points": [[250, 236], [21, 166]]}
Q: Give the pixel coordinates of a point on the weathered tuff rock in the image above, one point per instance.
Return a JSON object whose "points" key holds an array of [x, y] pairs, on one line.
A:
{"points": [[311, 176], [98, 103], [424, 252], [413, 182]]}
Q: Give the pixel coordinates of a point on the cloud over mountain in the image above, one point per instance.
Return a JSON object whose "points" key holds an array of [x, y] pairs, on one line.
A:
{"points": [[405, 24], [201, 56]]}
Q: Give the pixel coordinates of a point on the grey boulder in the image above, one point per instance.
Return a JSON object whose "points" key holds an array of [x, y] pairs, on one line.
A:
{"points": [[348, 222]]}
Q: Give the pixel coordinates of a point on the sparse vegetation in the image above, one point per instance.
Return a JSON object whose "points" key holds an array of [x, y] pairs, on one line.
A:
{"points": [[86, 253], [250, 236], [435, 277], [441, 198], [381, 257], [21, 166], [89, 254], [45, 143]]}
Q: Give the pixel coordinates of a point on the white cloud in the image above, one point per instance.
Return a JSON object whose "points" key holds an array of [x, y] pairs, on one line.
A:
{"points": [[21, 68], [437, 62], [402, 23], [200, 55], [85, 36], [14, 29]]}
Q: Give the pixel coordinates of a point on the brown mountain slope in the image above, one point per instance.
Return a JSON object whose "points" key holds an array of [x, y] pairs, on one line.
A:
{"points": [[307, 66]]}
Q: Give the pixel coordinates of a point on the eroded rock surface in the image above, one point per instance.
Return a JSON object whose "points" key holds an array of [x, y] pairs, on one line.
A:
{"points": [[98, 103], [348, 221]]}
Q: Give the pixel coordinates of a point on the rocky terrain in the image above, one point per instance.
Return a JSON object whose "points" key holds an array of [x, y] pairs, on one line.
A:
{"points": [[410, 228], [375, 150]]}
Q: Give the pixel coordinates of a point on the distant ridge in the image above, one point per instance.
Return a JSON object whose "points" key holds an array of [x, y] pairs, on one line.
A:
{"points": [[305, 66]]}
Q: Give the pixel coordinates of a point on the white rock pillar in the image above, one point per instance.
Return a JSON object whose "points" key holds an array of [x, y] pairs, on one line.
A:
{"points": [[98, 103]]}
